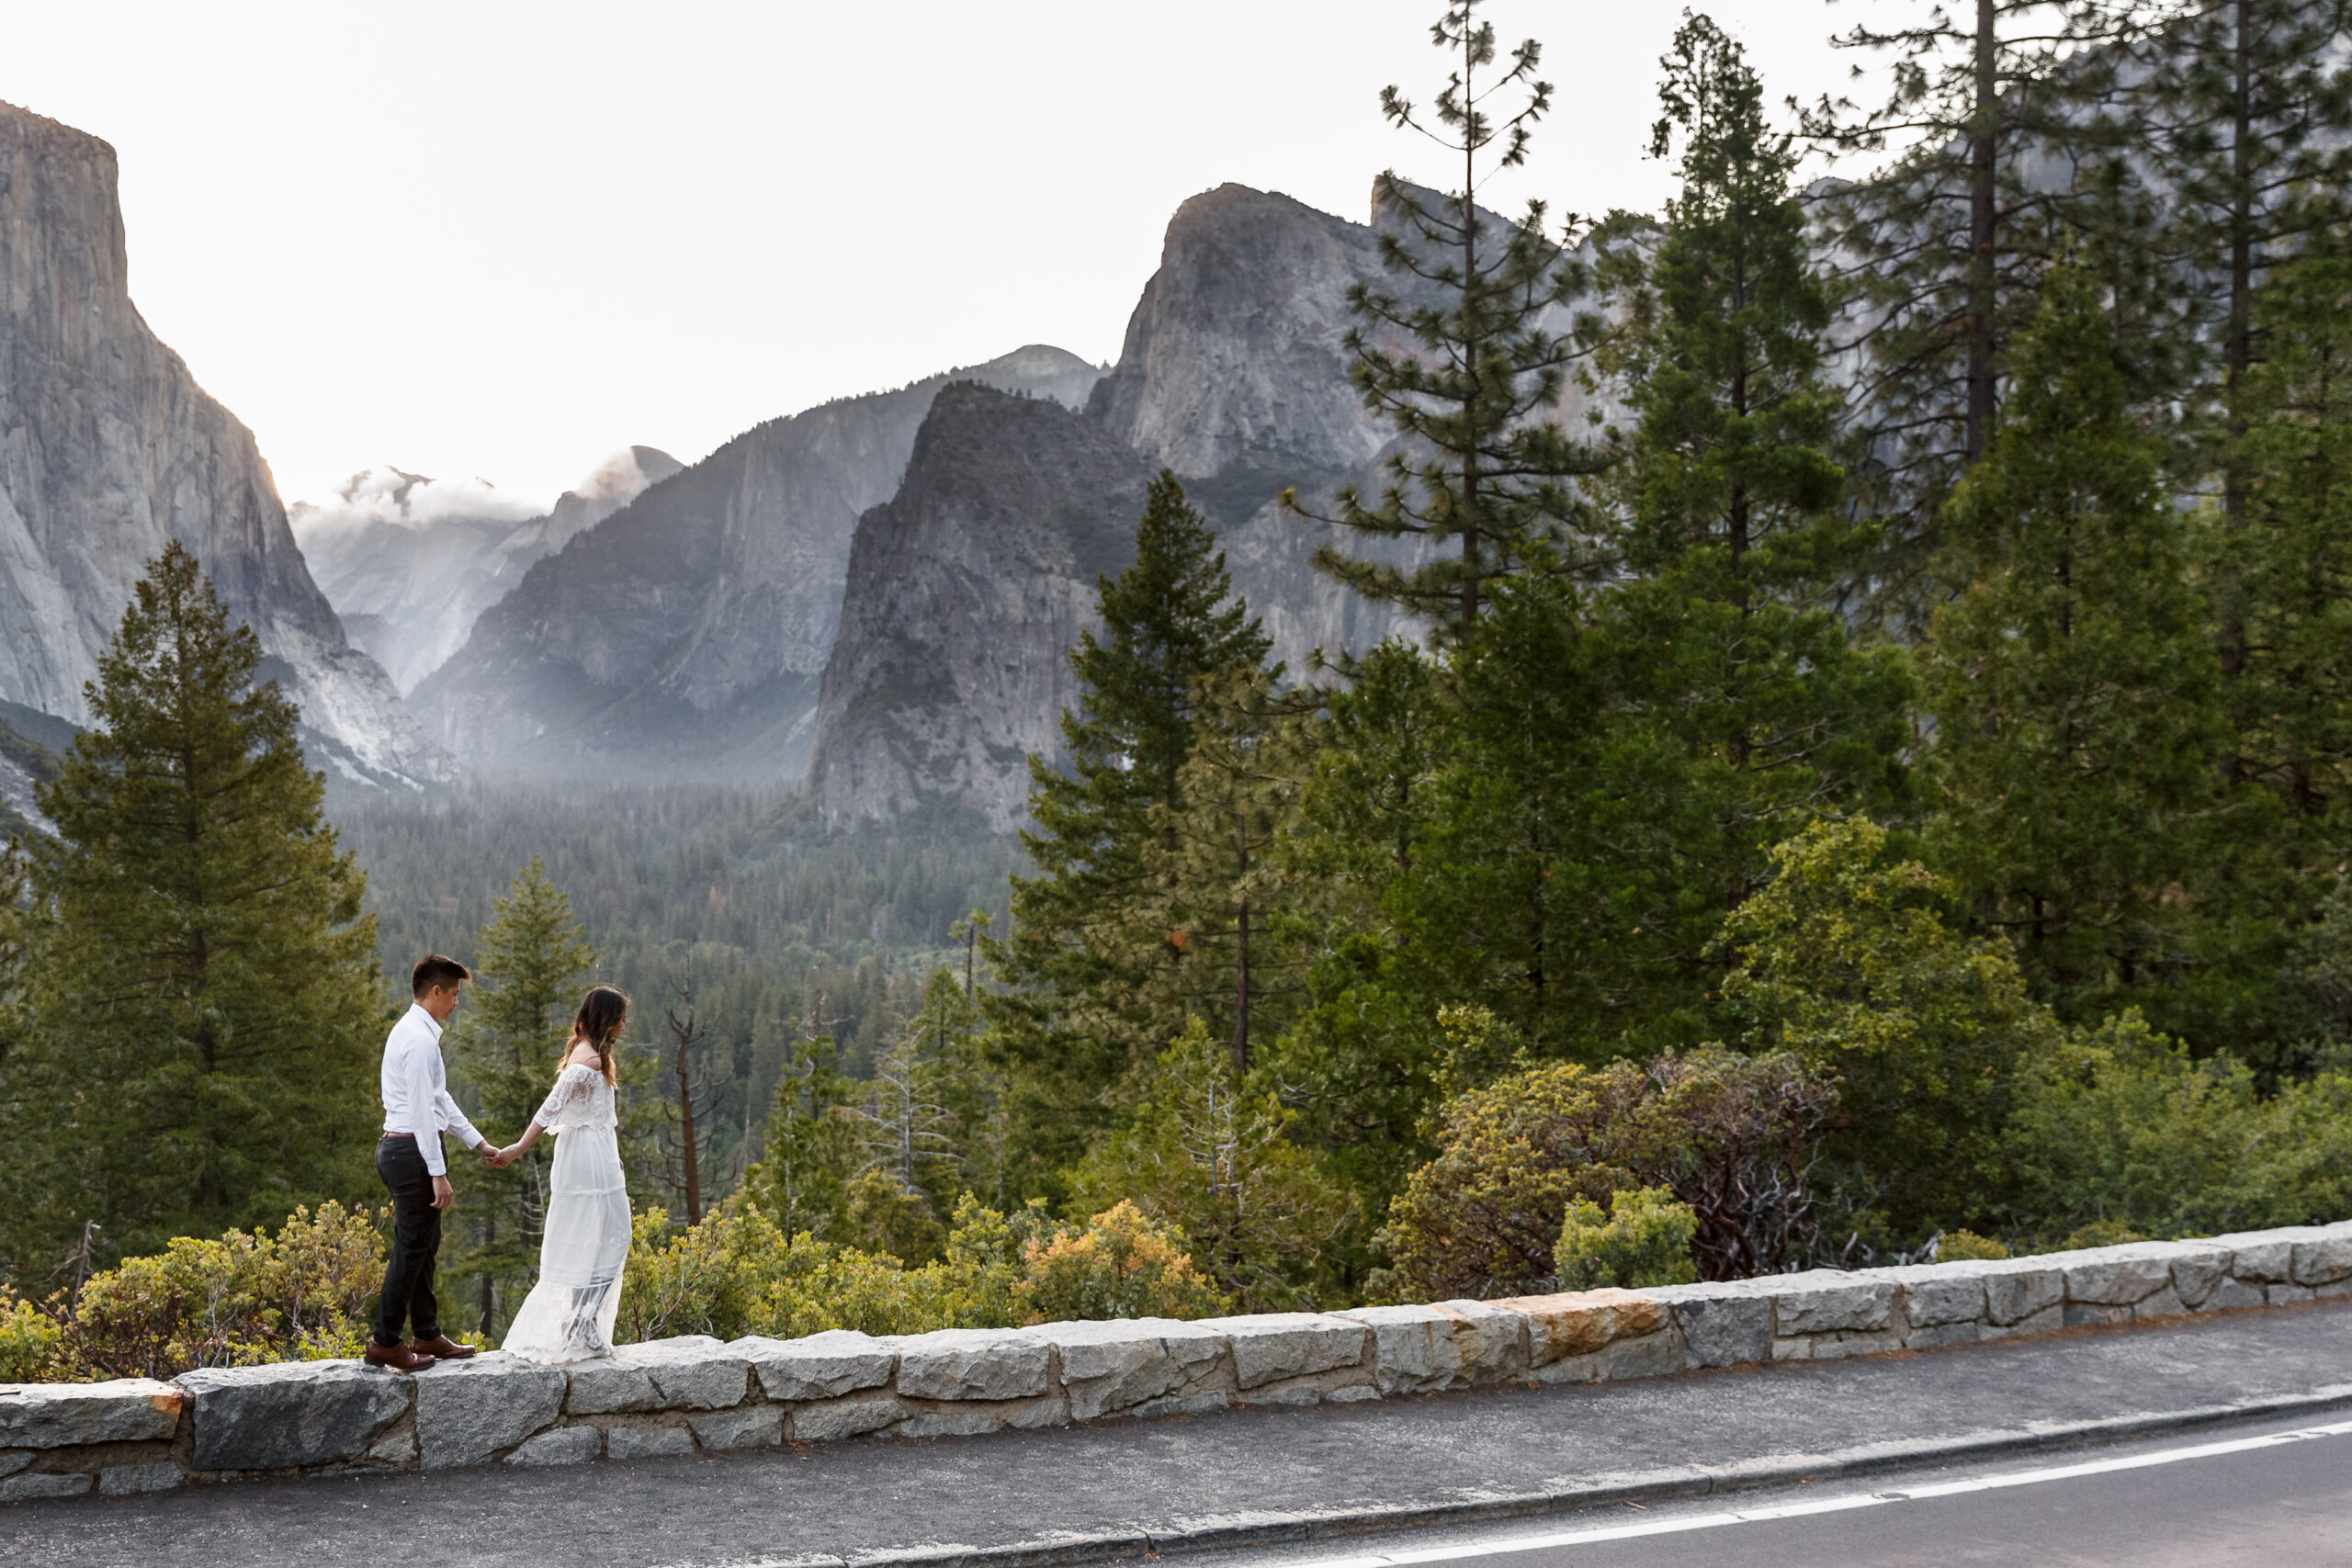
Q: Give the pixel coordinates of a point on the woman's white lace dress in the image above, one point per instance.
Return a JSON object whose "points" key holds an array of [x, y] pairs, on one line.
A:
{"points": [[569, 1314]]}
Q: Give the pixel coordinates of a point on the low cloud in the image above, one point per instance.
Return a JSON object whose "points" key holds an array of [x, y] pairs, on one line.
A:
{"points": [[402, 500]]}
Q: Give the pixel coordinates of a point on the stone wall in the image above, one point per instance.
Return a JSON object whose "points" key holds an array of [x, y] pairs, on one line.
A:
{"points": [[678, 1396]]}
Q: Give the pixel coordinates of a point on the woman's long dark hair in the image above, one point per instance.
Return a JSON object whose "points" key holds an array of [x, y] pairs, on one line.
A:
{"points": [[603, 1012]]}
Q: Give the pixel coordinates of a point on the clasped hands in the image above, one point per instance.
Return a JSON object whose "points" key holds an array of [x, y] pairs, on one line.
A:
{"points": [[497, 1158]]}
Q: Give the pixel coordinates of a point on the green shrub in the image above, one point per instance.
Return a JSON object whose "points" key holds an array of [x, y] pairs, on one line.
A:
{"points": [[2121, 1129], [32, 1344], [2098, 1233], [1645, 1240], [1967, 1247], [736, 1274], [1730, 1135], [244, 1298], [1846, 959], [1117, 1264]]}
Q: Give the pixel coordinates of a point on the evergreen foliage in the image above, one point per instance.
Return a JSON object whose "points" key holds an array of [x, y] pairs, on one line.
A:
{"points": [[1482, 470], [1847, 961], [200, 1048], [1644, 1240], [808, 1149], [2079, 733], [1951, 240], [1205, 1156], [1090, 956], [529, 964]]}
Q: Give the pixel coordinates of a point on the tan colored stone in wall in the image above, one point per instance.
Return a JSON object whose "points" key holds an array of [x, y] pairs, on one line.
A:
{"points": [[1577, 1322]]}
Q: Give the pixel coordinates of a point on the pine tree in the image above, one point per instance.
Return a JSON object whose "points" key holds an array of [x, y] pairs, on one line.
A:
{"points": [[2285, 566], [1077, 1016], [810, 1148], [1483, 470], [1737, 710], [2245, 107], [529, 963], [202, 1044], [2290, 703], [1237, 910], [1952, 238], [2079, 737], [1207, 1156]]}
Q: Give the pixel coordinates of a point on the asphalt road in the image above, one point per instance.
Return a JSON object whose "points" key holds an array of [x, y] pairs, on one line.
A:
{"points": [[2161, 1502], [1118, 1483]]}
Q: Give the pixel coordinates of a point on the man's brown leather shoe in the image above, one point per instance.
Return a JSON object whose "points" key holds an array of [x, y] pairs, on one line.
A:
{"points": [[400, 1358], [441, 1348]]}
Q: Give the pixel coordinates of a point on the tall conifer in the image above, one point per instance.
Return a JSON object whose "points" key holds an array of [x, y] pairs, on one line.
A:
{"points": [[1950, 241], [203, 1032], [1737, 708], [1483, 484], [2078, 734], [1080, 1013], [529, 961]]}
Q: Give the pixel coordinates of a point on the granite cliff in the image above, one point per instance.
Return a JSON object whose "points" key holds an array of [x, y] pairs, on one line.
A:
{"points": [[409, 563], [108, 448], [1233, 374], [965, 592], [684, 636]]}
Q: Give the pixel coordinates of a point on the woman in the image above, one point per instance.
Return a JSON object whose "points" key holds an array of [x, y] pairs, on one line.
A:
{"points": [[569, 1314]]}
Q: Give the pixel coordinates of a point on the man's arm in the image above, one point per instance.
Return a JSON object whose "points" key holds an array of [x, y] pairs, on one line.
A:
{"points": [[455, 1120], [421, 1098]]}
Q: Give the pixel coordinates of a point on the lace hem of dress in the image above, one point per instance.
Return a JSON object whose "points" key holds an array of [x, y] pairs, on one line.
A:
{"points": [[581, 1329]]}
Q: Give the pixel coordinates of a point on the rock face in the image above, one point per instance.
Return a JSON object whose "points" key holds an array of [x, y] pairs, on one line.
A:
{"points": [[1235, 374], [684, 636], [108, 448], [965, 592], [411, 563]]}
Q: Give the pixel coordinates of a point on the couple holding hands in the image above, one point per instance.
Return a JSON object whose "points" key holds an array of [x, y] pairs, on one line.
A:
{"points": [[569, 1314]]}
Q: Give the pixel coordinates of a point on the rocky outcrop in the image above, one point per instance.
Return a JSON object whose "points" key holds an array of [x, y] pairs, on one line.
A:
{"points": [[964, 595], [108, 448], [1234, 374], [409, 563], [685, 635]]}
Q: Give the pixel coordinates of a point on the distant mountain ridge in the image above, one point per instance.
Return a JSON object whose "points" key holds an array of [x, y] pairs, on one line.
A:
{"points": [[684, 636], [108, 448], [411, 564]]}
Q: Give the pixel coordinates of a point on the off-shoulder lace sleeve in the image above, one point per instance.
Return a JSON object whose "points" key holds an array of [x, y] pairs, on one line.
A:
{"points": [[575, 1086]]}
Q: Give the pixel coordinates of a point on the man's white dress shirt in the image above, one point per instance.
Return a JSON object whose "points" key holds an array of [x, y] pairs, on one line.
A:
{"points": [[416, 1091]]}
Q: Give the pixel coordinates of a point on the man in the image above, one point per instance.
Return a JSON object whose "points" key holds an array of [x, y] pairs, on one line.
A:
{"points": [[417, 1110]]}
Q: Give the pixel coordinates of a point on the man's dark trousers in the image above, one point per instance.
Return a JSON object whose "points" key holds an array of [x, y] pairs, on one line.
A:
{"points": [[416, 1237]]}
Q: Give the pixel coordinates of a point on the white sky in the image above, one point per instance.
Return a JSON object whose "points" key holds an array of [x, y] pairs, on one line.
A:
{"points": [[501, 240]]}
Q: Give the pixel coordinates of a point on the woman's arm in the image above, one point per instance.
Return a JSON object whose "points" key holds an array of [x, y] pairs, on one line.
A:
{"points": [[581, 1056]]}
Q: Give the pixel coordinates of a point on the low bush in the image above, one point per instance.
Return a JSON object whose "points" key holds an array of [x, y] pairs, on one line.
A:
{"points": [[2122, 1134], [1729, 1135], [242, 1298], [1967, 1247], [1118, 1264], [1644, 1240], [736, 1273], [31, 1342]]}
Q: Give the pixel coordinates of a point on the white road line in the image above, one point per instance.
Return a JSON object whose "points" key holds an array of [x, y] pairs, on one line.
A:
{"points": [[1823, 1505]]}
